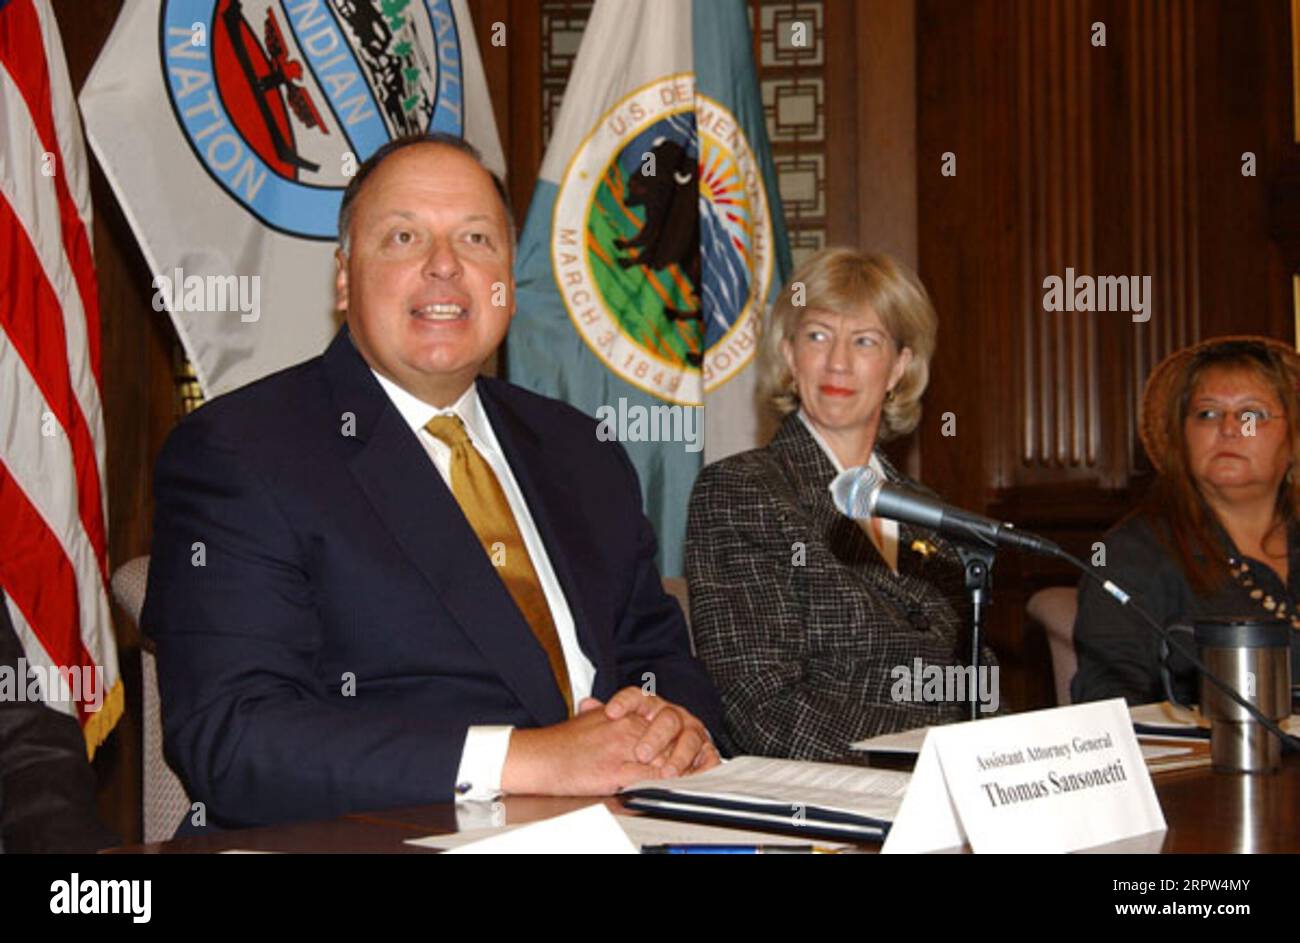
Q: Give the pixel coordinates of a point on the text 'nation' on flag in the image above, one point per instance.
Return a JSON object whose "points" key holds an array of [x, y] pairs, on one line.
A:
{"points": [[229, 130], [654, 244]]}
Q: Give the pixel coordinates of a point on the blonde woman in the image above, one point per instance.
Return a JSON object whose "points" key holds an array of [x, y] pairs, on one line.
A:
{"points": [[812, 624]]}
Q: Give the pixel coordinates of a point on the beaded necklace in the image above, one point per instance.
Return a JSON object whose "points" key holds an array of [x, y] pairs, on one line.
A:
{"points": [[1281, 608]]}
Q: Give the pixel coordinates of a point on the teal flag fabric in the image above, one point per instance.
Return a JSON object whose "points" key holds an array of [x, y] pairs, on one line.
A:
{"points": [[654, 244]]}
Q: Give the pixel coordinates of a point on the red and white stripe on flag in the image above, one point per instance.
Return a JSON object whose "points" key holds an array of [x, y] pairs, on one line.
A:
{"points": [[53, 545]]}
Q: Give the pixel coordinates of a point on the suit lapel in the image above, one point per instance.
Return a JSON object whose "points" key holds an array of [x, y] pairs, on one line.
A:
{"points": [[812, 471], [394, 472], [551, 499], [909, 560]]}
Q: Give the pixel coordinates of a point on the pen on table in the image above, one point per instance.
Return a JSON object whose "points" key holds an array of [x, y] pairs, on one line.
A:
{"points": [[704, 849]]}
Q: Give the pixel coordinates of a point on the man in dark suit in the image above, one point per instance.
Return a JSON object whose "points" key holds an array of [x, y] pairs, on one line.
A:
{"points": [[379, 581]]}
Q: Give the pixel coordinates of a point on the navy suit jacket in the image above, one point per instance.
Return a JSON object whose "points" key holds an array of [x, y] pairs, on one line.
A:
{"points": [[327, 623]]}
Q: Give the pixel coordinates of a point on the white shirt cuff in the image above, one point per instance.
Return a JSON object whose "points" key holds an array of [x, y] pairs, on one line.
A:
{"points": [[482, 762]]}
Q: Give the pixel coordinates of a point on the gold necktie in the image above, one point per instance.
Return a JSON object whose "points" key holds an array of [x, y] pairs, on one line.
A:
{"points": [[488, 511]]}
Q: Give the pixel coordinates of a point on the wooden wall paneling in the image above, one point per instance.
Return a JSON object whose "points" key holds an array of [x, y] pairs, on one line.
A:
{"points": [[879, 57], [487, 15], [843, 116], [526, 115], [1123, 160], [513, 72], [1284, 182], [1243, 88], [1051, 376], [139, 409], [1163, 172], [951, 211], [1053, 382], [1118, 205], [885, 98], [801, 103], [1283, 150], [970, 229]]}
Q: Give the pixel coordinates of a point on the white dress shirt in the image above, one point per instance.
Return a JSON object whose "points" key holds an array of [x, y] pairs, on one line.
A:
{"points": [[484, 755], [888, 528]]}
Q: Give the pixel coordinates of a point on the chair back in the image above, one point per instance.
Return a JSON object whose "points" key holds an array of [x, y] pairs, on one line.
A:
{"points": [[165, 801], [1054, 609]]}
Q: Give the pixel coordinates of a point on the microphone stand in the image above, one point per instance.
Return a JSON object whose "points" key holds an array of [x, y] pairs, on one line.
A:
{"points": [[977, 558], [977, 553], [976, 546], [1290, 744]]}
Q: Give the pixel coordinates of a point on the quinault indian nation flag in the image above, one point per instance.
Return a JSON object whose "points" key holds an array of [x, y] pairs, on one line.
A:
{"points": [[229, 130], [654, 244], [53, 544]]}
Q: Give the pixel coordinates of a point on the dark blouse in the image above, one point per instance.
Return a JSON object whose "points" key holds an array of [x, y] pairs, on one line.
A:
{"points": [[1119, 656]]}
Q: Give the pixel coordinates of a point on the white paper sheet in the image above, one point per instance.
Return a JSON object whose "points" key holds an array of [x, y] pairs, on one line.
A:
{"points": [[588, 831], [1162, 714], [644, 830], [857, 790]]}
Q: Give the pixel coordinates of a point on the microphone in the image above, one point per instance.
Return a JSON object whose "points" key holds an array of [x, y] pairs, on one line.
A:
{"points": [[860, 493]]}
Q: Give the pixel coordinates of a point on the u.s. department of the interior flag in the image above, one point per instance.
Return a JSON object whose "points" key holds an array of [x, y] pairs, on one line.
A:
{"points": [[654, 243]]}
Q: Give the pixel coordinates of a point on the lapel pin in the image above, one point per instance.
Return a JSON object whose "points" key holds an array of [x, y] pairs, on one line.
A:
{"points": [[924, 548]]}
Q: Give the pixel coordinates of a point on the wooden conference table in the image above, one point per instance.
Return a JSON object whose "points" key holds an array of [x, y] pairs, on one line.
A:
{"points": [[1205, 812]]}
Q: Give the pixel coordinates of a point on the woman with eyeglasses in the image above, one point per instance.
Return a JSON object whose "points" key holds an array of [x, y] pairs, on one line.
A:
{"points": [[813, 625], [1217, 534]]}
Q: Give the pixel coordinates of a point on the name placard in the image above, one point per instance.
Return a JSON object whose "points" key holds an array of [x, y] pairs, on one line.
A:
{"points": [[1045, 781]]}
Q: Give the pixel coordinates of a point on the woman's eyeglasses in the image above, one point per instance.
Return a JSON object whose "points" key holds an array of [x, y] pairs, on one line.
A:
{"points": [[1247, 414]]}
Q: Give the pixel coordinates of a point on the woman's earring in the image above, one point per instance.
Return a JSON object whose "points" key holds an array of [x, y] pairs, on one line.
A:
{"points": [[889, 397]]}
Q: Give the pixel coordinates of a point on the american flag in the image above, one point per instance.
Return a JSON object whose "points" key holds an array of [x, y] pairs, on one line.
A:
{"points": [[53, 546]]}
